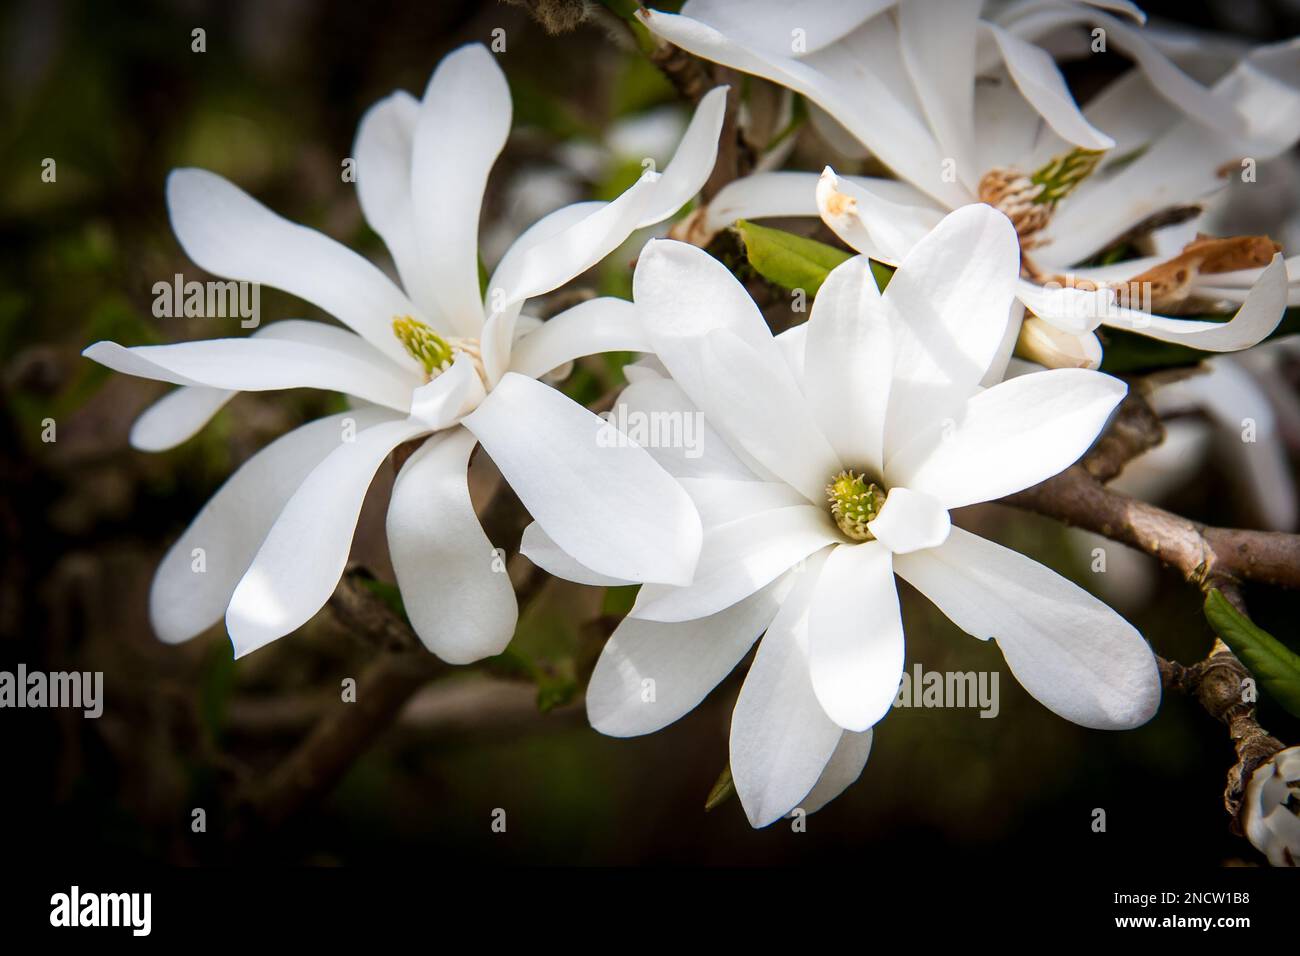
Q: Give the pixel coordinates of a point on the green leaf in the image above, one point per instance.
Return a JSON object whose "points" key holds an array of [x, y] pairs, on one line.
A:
{"points": [[723, 789], [790, 261], [1275, 665]]}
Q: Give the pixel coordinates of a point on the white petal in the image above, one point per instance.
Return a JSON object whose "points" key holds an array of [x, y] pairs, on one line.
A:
{"points": [[463, 123], [253, 364], [769, 24], [383, 148], [763, 196], [720, 500], [937, 39], [228, 233], [1009, 437], [855, 635], [910, 521], [598, 325], [737, 559], [875, 217], [656, 414], [766, 414], [781, 739], [693, 161], [544, 266], [842, 770], [1258, 316], [952, 297], [180, 414], [177, 416], [455, 392], [184, 601], [303, 556], [650, 674], [881, 121], [604, 501], [454, 586], [848, 363], [1073, 653], [538, 548], [1036, 74]]}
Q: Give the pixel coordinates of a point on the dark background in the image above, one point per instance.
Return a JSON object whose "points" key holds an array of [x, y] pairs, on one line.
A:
{"points": [[115, 95]]}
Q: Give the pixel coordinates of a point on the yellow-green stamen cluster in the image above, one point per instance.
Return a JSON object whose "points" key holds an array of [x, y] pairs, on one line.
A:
{"points": [[1062, 173], [854, 502], [423, 344], [1029, 201]]}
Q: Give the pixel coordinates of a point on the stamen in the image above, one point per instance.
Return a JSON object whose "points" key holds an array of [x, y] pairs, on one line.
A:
{"points": [[1029, 201], [423, 344], [854, 502]]}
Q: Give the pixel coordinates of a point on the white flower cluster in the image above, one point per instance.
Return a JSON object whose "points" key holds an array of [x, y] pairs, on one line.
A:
{"points": [[830, 457]]}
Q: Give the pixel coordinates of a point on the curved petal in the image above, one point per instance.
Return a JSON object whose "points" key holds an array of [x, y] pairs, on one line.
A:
{"points": [[252, 365], [566, 253], [910, 521], [228, 233], [301, 559], [840, 772], [383, 148], [463, 124], [855, 635], [601, 498], [737, 559], [1009, 437], [772, 23], [881, 121], [848, 364], [537, 546], [651, 674], [874, 217], [951, 299], [652, 411], [720, 500], [185, 601], [693, 161], [1036, 75], [1258, 316], [179, 415], [937, 39], [598, 325], [762, 196], [766, 415], [454, 584], [781, 739], [1073, 653]]}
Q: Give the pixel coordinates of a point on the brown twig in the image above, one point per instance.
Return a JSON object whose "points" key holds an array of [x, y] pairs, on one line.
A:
{"points": [[1206, 556]]}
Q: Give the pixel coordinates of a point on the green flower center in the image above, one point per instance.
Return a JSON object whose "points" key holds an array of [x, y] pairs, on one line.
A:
{"points": [[855, 501], [423, 344]]}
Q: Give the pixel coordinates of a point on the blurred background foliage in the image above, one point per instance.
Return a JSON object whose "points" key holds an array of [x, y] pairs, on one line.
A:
{"points": [[117, 97]]}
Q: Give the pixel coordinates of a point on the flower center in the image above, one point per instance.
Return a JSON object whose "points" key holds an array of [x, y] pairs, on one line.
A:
{"points": [[430, 349], [1029, 200], [854, 502]]}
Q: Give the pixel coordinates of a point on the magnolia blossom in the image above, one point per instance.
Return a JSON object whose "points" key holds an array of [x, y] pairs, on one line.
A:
{"points": [[966, 109], [832, 457], [431, 361], [1271, 814]]}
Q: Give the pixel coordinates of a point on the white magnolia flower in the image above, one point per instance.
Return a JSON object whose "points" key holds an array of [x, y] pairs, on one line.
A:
{"points": [[965, 109], [1271, 815], [430, 361], [874, 405]]}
